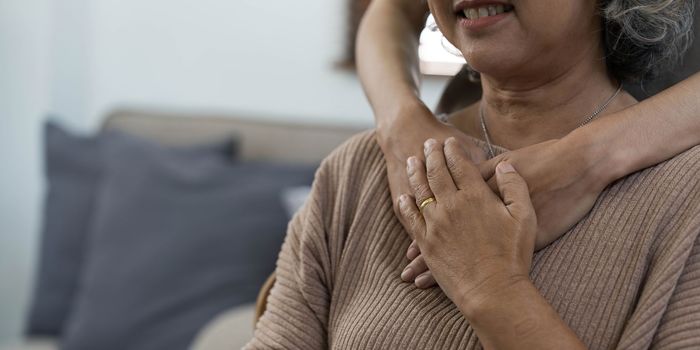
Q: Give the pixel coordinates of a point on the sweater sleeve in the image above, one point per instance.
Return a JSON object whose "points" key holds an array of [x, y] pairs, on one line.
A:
{"points": [[680, 324], [296, 315], [297, 311]]}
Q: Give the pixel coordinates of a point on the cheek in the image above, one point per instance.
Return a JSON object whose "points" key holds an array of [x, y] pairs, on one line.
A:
{"points": [[443, 12], [555, 22]]}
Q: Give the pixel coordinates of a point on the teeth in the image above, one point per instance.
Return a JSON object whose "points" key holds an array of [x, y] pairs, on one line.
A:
{"points": [[486, 11]]}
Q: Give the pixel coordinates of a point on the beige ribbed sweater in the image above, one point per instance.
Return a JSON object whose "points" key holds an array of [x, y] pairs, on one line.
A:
{"points": [[626, 277]]}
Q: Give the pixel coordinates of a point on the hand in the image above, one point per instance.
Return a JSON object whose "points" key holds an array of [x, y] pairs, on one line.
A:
{"points": [[473, 241], [404, 138], [564, 177]]}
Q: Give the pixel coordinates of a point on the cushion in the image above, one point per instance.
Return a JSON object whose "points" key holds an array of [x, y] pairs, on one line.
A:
{"points": [[73, 167], [72, 170], [178, 238]]}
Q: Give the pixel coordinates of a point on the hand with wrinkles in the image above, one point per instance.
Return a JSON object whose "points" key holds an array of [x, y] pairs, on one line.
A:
{"points": [[564, 181], [473, 240]]}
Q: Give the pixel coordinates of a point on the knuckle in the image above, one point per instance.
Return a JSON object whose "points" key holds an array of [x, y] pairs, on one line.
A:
{"points": [[413, 221], [512, 181], [422, 192], [432, 167], [503, 157], [434, 178]]}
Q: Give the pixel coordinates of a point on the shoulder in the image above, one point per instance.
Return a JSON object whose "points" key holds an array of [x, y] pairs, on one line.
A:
{"points": [[360, 155], [354, 173], [665, 198], [678, 176], [358, 148]]}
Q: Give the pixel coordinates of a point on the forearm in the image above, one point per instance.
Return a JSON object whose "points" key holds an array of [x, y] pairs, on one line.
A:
{"points": [[515, 316], [649, 132], [387, 55]]}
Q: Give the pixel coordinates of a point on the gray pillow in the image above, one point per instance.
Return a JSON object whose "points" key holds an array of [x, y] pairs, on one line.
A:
{"points": [[72, 170], [73, 167], [178, 237]]}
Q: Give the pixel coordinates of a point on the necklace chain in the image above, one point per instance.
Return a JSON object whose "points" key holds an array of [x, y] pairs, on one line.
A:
{"points": [[595, 113]]}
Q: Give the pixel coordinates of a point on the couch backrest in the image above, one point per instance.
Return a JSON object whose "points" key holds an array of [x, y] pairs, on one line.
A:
{"points": [[258, 139]]}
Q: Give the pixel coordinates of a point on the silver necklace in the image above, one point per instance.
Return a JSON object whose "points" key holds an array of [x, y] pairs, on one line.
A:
{"points": [[599, 110]]}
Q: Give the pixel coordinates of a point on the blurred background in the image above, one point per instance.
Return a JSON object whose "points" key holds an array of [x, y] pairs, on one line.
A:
{"points": [[80, 61]]}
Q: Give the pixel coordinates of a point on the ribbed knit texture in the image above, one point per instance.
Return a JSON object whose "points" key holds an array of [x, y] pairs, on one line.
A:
{"points": [[626, 277]]}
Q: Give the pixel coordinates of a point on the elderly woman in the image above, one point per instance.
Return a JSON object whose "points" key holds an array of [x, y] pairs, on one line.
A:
{"points": [[625, 276], [565, 175]]}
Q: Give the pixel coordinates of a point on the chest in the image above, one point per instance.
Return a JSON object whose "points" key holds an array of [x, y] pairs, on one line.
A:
{"points": [[591, 277]]}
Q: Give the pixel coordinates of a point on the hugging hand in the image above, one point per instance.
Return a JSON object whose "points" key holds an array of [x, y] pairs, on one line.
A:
{"points": [[472, 240], [564, 177]]}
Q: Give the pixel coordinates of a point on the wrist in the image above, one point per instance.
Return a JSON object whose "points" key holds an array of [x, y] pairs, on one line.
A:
{"points": [[402, 109], [605, 161], [476, 301], [405, 115]]}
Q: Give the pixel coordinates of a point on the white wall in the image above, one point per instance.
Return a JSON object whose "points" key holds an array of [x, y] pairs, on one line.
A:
{"points": [[23, 100], [81, 58], [271, 58]]}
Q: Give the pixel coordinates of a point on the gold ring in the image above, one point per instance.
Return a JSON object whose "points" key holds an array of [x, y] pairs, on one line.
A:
{"points": [[425, 202]]}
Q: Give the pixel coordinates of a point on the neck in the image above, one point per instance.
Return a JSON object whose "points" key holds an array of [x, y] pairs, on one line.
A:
{"points": [[521, 112]]}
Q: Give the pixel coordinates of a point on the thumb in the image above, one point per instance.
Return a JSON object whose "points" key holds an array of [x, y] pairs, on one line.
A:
{"points": [[487, 168], [514, 191]]}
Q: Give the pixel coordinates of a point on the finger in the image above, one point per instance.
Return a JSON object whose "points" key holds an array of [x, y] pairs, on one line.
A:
{"points": [[514, 191], [488, 168], [413, 269], [493, 184], [398, 185], [459, 164], [425, 280], [439, 178], [412, 216], [418, 180], [476, 154], [413, 250]]}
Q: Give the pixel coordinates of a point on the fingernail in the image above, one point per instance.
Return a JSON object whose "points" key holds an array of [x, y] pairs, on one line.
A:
{"points": [[407, 274], [411, 164], [412, 253], [505, 168], [428, 144], [422, 281], [450, 140], [402, 199]]}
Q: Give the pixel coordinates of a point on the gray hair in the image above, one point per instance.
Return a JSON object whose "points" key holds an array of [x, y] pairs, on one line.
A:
{"points": [[645, 38]]}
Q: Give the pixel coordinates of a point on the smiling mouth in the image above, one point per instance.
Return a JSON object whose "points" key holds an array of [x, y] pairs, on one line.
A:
{"points": [[483, 11]]}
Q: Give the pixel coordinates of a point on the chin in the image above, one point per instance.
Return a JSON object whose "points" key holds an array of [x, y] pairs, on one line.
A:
{"points": [[498, 64]]}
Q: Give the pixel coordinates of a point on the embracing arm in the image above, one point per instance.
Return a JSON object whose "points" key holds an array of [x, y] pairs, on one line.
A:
{"points": [[387, 63], [387, 55], [651, 131], [594, 156]]}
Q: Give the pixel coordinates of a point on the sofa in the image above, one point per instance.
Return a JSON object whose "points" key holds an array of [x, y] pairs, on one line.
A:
{"points": [[256, 140]]}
